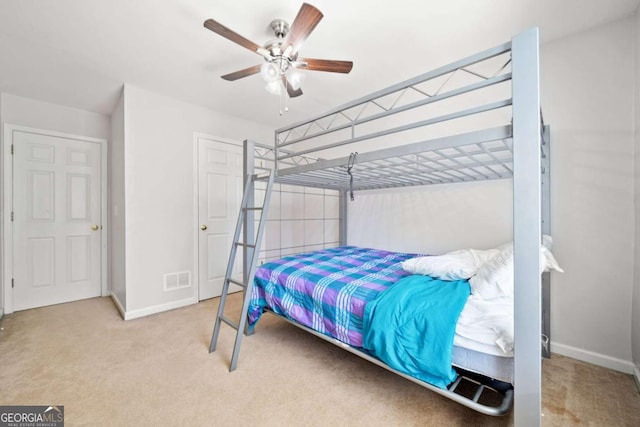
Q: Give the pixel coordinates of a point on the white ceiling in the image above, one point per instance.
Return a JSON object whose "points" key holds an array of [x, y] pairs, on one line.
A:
{"points": [[80, 52]]}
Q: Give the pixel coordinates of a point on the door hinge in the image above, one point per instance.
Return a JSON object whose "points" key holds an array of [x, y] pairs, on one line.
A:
{"points": [[12, 149], [11, 215], [12, 282]]}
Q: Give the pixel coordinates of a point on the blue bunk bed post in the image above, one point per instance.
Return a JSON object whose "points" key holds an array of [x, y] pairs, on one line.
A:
{"points": [[527, 228]]}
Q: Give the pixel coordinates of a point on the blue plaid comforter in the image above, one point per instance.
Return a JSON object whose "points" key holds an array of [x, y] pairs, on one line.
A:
{"points": [[326, 290]]}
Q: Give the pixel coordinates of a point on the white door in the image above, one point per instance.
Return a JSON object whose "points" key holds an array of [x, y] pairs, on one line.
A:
{"points": [[57, 212], [219, 197]]}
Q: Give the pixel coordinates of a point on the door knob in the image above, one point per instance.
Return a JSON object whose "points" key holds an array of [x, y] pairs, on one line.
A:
{"points": [[95, 227], [203, 227]]}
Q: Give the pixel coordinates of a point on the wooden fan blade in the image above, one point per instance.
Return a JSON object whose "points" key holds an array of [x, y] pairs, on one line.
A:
{"points": [[304, 23], [325, 65], [290, 90], [242, 73], [229, 34]]}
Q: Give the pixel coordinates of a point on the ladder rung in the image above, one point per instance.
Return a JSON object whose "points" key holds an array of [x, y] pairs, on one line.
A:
{"points": [[255, 208], [453, 386], [229, 322], [476, 397], [246, 245], [237, 282]]}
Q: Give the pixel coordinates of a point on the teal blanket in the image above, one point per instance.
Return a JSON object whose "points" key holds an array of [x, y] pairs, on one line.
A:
{"points": [[411, 326]]}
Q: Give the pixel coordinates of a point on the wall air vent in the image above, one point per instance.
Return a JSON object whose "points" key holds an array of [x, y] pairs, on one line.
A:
{"points": [[179, 280]]}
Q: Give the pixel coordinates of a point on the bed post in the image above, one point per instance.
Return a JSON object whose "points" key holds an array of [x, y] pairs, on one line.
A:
{"points": [[527, 228], [546, 229], [342, 236]]}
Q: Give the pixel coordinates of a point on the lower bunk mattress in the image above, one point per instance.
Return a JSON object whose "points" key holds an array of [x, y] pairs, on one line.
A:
{"points": [[362, 297]]}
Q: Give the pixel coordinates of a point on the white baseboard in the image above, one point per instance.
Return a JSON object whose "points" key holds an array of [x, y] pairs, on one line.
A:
{"points": [[119, 305], [636, 376], [620, 365], [1, 313], [134, 314]]}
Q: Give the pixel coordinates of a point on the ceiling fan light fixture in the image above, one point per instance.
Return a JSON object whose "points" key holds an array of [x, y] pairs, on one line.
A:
{"points": [[296, 78], [274, 87], [270, 72], [281, 55]]}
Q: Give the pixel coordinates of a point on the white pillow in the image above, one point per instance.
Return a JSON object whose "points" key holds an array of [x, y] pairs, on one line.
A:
{"points": [[456, 265], [494, 278], [549, 261]]}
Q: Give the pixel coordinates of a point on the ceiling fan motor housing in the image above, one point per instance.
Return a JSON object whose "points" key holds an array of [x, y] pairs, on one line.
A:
{"points": [[280, 28]]}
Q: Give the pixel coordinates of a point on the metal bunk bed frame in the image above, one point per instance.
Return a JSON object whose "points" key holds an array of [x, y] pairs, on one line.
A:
{"points": [[519, 150]]}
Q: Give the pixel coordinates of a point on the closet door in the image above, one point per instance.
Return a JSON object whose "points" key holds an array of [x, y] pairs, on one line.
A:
{"points": [[219, 197], [57, 229]]}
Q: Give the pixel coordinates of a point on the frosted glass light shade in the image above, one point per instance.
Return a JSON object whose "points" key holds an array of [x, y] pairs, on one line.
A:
{"points": [[269, 72], [274, 87], [296, 78]]}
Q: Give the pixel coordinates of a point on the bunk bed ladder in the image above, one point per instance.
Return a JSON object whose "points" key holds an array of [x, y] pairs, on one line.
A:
{"points": [[252, 249]]}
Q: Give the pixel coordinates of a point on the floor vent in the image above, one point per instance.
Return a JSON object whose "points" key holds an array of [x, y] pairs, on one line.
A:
{"points": [[179, 280]]}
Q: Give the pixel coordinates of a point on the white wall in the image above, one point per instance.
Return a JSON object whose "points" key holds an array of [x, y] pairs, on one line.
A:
{"points": [[586, 99], [635, 322], [117, 207], [159, 191], [433, 219], [17, 110]]}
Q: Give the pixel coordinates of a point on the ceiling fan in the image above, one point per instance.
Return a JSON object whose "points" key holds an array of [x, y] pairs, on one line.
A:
{"points": [[281, 55]]}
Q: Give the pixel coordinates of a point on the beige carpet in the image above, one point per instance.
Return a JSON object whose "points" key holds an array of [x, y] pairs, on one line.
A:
{"points": [[157, 371]]}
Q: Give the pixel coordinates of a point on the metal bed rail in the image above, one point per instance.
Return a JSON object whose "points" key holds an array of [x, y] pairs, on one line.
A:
{"points": [[474, 93], [479, 155], [479, 393]]}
